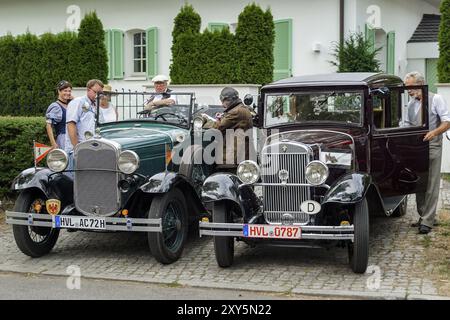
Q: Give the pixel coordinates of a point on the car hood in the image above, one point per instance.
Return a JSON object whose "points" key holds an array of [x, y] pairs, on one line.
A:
{"points": [[132, 136]]}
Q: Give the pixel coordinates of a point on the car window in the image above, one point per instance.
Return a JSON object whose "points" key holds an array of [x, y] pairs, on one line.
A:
{"points": [[396, 110], [387, 111], [335, 106]]}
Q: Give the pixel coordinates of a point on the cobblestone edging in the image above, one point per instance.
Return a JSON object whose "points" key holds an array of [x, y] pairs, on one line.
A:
{"points": [[398, 265]]}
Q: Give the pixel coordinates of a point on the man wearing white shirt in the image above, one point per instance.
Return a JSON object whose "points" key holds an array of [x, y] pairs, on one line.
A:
{"points": [[439, 123], [80, 118], [161, 97]]}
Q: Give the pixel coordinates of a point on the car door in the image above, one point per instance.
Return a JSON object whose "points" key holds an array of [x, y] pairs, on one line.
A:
{"points": [[399, 156]]}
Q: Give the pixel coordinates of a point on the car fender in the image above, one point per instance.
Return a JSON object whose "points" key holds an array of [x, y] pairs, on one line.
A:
{"points": [[51, 184], [351, 188], [164, 181], [226, 186]]}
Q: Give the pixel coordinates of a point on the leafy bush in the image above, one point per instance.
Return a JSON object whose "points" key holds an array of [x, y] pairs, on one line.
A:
{"points": [[356, 55], [444, 43], [16, 147]]}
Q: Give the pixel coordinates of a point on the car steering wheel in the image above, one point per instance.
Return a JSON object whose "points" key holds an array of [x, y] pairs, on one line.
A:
{"points": [[172, 114]]}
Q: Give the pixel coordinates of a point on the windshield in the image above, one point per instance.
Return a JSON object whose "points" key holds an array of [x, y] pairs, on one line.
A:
{"points": [[173, 108], [336, 106]]}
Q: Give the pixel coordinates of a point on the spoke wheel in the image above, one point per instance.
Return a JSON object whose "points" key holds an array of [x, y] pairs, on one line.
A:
{"points": [[168, 245], [33, 241]]}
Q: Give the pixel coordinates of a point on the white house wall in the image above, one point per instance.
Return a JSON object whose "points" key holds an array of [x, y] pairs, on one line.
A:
{"points": [[401, 16], [313, 22]]}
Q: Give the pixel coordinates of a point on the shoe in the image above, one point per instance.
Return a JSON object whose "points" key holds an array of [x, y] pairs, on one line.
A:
{"points": [[423, 229], [415, 224]]}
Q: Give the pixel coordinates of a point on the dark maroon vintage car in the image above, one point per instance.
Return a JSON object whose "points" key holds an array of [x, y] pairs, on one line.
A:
{"points": [[338, 151]]}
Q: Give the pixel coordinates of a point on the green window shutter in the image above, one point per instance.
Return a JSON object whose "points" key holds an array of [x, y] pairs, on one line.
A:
{"points": [[390, 63], [282, 51], [217, 26], [370, 36], [108, 44], [152, 52], [117, 54]]}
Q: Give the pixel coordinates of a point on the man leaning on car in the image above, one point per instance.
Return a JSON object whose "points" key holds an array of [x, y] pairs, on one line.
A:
{"points": [[439, 123]]}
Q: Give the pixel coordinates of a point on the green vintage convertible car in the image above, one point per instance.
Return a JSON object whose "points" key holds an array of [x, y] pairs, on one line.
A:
{"points": [[125, 178]]}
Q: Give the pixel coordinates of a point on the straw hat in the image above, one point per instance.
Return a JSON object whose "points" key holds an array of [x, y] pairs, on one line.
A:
{"points": [[108, 89]]}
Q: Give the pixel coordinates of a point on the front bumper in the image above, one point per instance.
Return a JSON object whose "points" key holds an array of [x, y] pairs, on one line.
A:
{"points": [[111, 224], [308, 232]]}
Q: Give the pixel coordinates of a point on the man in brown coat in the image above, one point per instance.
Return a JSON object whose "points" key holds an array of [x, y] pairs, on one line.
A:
{"points": [[235, 123]]}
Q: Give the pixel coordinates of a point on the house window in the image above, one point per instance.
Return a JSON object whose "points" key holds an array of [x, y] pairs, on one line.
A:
{"points": [[139, 53]]}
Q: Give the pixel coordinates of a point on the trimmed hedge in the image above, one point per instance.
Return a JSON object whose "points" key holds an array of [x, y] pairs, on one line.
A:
{"points": [[16, 147], [444, 43], [255, 38], [31, 66], [186, 21], [221, 57]]}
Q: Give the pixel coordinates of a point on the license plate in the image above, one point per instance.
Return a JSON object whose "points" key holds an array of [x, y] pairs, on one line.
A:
{"points": [[89, 223], [273, 232]]}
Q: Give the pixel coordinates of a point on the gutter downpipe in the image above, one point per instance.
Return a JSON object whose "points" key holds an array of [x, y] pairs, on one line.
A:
{"points": [[341, 21]]}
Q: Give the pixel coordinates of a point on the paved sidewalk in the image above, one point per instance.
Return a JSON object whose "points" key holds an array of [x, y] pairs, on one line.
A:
{"points": [[398, 264]]}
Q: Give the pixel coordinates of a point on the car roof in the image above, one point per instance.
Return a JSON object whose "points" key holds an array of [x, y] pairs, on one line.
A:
{"points": [[345, 78]]}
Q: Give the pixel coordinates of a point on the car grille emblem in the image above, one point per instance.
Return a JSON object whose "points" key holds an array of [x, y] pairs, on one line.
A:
{"points": [[284, 148], [283, 175], [96, 210], [287, 219]]}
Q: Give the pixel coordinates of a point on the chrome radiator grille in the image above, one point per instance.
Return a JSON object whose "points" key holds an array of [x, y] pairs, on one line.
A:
{"points": [[280, 199], [95, 186]]}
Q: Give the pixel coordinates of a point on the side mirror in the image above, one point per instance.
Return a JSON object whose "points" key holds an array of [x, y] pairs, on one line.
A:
{"points": [[381, 92], [248, 99]]}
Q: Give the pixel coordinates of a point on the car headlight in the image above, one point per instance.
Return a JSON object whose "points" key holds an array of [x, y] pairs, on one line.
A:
{"points": [[248, 172], [128, 162], [88, 135], [57, 160], [316, 173], [198, 123]]}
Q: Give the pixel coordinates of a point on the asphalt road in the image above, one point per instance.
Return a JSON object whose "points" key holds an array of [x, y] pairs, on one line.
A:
{"points": [[15, 286]]}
